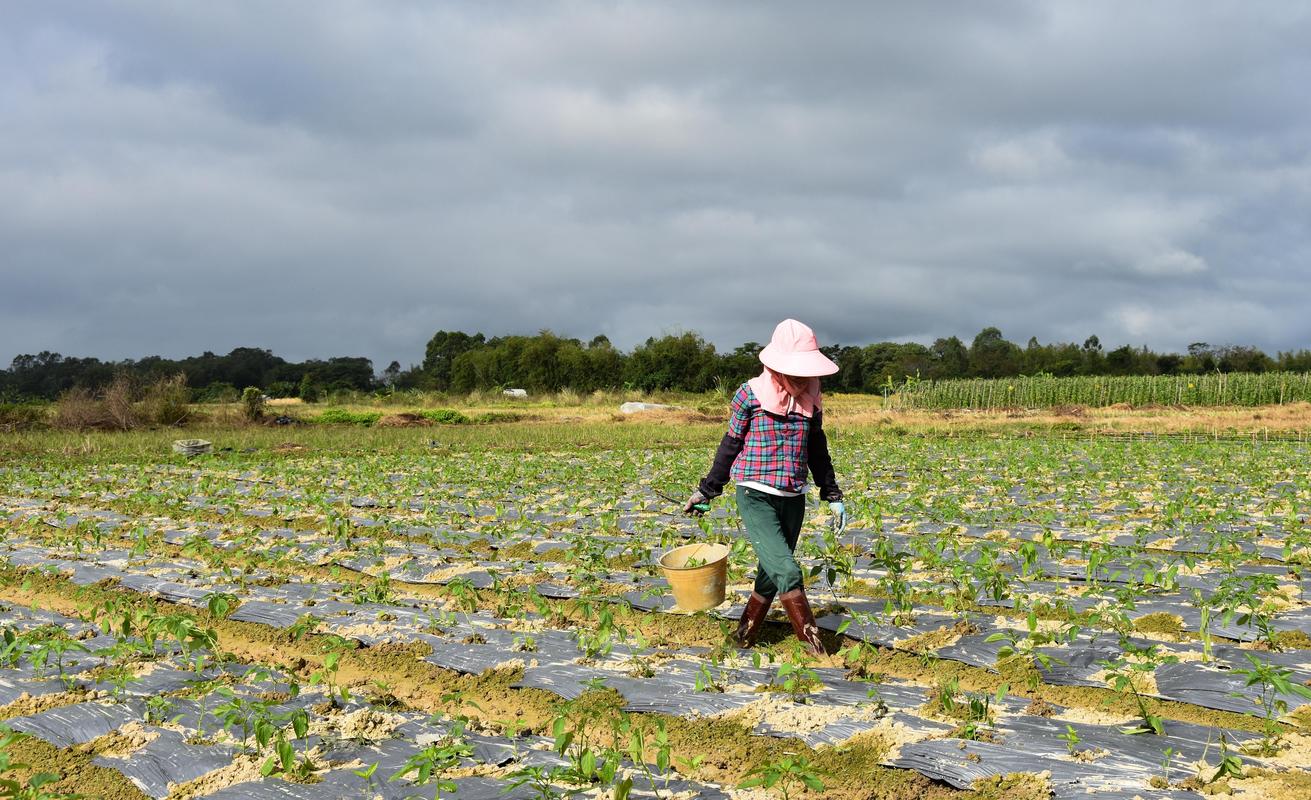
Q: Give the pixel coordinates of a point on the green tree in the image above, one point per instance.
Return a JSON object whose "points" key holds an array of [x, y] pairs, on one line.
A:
{"points": [[949, 359], [991, 356], [443, 349], [685, 362]]}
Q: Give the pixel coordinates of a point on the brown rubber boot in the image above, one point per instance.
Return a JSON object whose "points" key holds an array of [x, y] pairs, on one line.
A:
{"points": [[753, 616], [802, 619]]}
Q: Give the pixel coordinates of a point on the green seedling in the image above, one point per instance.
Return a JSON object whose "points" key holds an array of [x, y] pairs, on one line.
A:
{"points": [[787, 775]]}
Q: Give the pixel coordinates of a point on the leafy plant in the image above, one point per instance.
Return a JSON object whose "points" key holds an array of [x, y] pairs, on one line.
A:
{"points": [[1274, 684], [1121, 673], [787, 775], [221, 604], [429, 764], [284, 760], [252, 403]]}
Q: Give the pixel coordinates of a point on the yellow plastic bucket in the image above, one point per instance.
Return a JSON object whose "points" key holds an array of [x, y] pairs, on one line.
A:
{"points": [[700, 586]]}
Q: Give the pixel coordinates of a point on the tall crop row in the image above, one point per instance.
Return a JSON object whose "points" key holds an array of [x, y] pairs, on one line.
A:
{"points": [[1041, 391]]}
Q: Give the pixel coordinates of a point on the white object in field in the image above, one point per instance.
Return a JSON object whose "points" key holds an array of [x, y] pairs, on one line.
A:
{"points": [[515, 392], [192, 447], [633, 408]]}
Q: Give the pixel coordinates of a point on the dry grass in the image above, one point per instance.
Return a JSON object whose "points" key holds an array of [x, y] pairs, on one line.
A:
{"points": [[866, 412], [1294, 418]]}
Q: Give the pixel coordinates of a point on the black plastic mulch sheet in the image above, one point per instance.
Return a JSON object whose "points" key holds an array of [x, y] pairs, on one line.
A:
{"points": [[23, 618], [263, 612], [77, 724], [564, 680], [1119, 753], [1212, 688], [167, 760], [959, 763], [13, 685], [1220, 686], [474, 650]]}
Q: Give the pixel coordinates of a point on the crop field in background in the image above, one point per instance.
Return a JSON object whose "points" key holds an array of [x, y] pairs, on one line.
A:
{"points": [[449, 612], [1212, 389]]}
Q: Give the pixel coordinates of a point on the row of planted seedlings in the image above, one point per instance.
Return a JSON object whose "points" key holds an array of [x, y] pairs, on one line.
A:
{"points": [[604, 630], [976, 488], [973, 711], [962, 559], [1093, 491], [591, 647], [298, 734]]}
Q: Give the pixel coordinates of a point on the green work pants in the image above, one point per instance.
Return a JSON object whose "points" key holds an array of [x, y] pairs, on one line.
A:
{"points": [[773, 524]]}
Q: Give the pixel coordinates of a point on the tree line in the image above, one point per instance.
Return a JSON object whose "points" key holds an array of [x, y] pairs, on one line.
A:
{"points": [[459, 362]]}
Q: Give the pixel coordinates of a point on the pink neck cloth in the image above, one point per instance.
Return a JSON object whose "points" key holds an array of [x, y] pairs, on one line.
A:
{"points": [[774, 397]]}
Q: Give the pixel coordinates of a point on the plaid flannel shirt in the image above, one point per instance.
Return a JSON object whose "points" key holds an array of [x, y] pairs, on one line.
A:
{"points": [[777, 450]]}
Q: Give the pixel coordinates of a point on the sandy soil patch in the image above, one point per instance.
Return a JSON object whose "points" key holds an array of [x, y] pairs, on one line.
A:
{"points": [[782, 714]]}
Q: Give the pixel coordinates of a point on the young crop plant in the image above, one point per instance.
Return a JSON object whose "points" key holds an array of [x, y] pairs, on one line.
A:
{"points": [[796, 679], [508, 602], [199, 645], [430, 765], [306, 625], [598, 640], [221, 604], [1071, 739], [1274, 683], [787, 775], [465, 598], [1124, 675], [1022, 648], [1230, 766], [378, 590], [835, 563], [587, 765], [13, 647], [253, 717], [638, 738], [333, 648], [972, 709], [1241, 598], [284, 761], [707, 680], [120, 676], [55, 647]]}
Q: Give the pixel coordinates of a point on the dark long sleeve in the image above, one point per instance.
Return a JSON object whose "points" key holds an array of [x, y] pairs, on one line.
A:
{"points": [[712, 485], [821, 463]]}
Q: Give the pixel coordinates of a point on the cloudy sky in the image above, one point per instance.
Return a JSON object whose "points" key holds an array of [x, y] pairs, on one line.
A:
{"points": [[345, 178]]}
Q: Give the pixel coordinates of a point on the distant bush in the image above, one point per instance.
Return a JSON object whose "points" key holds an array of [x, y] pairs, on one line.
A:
{"points": [[445, 416], [218, 392], [308, 393], [282, 389], [493, 417], [119, 402], [79, 409], [166, 402], [340, 416], [252, 403], [21, 416]]}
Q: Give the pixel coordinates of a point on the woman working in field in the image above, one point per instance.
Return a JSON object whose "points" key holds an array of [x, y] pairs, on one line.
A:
{"points": [[775, 435]]}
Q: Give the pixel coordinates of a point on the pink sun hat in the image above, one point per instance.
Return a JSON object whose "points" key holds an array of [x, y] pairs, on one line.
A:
{"points": [[794, 350]]}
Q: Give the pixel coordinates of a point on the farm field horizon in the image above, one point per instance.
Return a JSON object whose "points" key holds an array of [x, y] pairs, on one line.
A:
{"points": [[334, 605]]}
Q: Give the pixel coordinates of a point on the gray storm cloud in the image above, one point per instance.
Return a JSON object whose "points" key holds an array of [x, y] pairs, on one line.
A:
{"points": [[336, 178]]}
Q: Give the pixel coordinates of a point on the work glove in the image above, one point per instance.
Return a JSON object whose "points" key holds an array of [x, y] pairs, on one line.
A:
{"points": [[839, 516], [697, 504]]}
